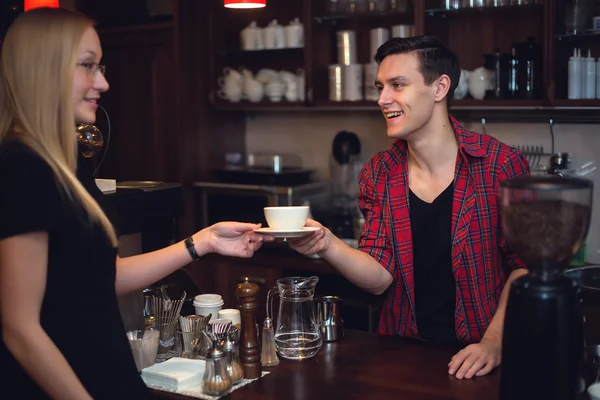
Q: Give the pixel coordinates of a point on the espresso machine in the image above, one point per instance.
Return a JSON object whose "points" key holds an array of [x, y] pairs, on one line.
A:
{"points": [[545, 221]]}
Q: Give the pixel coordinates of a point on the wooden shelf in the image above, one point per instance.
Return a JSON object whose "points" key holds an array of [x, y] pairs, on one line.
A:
{"points": [[505, 104], [590, 34], [364, 105], [265, 52], [577, 104], [264, 105], [363, 16], [474, 11], [535, 111]]}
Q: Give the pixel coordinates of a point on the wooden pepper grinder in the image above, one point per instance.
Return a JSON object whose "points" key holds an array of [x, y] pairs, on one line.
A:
{"points": [[246, 293]]}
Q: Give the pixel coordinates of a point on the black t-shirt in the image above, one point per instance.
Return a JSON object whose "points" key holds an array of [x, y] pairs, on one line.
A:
{"points": [[435, 287], [79, 311]]}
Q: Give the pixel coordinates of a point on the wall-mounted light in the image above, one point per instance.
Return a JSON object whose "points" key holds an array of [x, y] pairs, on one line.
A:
{"points": [[31, 4], [245, 3]]}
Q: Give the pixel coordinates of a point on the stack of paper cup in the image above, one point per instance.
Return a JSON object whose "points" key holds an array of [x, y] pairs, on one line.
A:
{"points": [[378, 37], [371, 92], [345, 77], [402, 31], [352, 82]]}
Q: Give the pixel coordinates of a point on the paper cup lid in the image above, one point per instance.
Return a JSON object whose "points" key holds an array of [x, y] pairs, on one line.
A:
{"points": [[207, 300]]}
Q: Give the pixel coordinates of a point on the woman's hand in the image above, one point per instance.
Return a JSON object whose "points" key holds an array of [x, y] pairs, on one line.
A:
{"points": [[313, 243], [236, 239]]}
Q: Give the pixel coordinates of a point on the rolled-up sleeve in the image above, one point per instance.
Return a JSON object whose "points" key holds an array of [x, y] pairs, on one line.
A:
{"points": [[374, 238], [515, 165]]}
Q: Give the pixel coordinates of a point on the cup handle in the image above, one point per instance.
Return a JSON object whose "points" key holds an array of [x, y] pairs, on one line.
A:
{"points": [[221, 95]]}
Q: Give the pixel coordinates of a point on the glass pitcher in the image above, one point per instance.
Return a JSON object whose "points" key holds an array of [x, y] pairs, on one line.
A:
{"points": [[297, 333]]}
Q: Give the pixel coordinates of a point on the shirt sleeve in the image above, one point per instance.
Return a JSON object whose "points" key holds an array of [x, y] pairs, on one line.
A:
{"points": [[29, 198], [515, 165], [375, 234]]}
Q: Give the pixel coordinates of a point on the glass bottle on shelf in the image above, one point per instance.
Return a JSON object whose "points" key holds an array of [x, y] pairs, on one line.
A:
{"points": [[377, 5], [354, 6]]}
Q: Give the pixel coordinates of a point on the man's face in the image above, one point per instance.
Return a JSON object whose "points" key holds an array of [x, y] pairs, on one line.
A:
{"points": [[405, 100]]}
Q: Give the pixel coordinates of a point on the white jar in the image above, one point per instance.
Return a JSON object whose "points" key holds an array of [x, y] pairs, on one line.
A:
{"points": [[205, 304]]}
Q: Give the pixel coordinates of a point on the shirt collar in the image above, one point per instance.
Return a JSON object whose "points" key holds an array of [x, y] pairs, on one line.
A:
{"points": [[469, 143]]}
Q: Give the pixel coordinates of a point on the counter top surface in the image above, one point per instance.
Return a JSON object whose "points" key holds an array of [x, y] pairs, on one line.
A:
{"points": [[368, 366]]}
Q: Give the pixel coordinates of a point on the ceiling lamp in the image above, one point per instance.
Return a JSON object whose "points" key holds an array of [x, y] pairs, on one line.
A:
{"points": [[245, 3], [31, 4]]}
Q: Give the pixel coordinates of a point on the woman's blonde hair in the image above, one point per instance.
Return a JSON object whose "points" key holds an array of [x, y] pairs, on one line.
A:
{"points": [[37, 66]]}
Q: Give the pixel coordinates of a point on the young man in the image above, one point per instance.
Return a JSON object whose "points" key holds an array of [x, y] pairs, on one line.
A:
{"points": [[433, 236]]}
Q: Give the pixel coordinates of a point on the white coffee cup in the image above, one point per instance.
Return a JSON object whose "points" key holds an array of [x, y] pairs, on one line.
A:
{"points": [[286, 218], [205, 304], [231, 314]]}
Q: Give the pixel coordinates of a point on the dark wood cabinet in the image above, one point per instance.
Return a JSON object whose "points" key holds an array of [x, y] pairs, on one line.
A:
{"points": [[142, 107]]}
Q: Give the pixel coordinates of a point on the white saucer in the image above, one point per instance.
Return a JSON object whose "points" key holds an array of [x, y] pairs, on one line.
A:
{"points": [[279, 233]]}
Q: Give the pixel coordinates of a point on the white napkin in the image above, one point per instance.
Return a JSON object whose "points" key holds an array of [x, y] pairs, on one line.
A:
{"points": [[175, 374]]}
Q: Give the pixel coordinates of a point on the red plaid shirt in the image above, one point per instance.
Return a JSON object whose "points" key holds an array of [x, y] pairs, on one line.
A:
{"points": [[481, 259]]}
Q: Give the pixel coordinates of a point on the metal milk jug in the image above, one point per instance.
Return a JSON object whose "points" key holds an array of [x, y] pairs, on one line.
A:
{"points": [[297, 333]]}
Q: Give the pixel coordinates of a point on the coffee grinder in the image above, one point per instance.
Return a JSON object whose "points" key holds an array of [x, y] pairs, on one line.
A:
{"points": [[545, 220]]}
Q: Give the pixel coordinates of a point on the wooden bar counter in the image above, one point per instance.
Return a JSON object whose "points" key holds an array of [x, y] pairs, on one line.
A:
{"points": [[368, 366]]}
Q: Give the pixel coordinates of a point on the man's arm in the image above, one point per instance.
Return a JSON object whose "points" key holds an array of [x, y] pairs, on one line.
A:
{"points": [[367, 268]]}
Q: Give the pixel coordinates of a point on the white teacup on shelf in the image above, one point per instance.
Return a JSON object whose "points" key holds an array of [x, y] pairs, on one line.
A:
{"points": [[230, 90], [253, 90], [266, 76], [291, 91], [480, 80], [232, 94], [275, 91]]}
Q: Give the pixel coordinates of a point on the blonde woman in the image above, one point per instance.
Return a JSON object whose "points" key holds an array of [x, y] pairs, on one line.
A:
{"points": [[62, 334]]}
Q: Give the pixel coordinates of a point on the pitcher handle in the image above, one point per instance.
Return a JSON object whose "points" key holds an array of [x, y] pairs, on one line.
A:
{"points": [[270, 296]]}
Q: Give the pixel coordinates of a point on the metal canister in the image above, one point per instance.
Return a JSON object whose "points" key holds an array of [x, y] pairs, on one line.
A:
{"points": [[335, 83], [346, 47]]}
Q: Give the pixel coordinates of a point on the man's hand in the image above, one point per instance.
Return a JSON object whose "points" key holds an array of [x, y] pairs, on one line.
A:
{"points": [[476, 359], [313, 243]]}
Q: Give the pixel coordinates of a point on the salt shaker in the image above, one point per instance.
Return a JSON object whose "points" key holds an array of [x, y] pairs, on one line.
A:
{"points": [[216, 380], [235, 368], [268, 356]]}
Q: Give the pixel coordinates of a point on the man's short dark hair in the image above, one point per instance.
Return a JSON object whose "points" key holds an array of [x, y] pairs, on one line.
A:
{"points": [[434, 57]]}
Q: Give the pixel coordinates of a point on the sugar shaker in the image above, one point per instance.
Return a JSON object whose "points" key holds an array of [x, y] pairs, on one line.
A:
{"points": [[216, 380]]}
